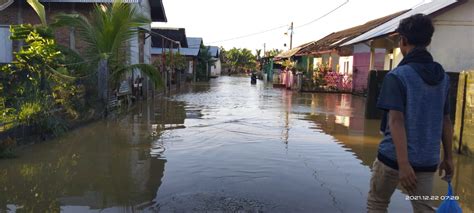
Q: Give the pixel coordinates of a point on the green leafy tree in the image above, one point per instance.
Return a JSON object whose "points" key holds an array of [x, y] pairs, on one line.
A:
{"points": [[205, 61], [106, 33], [176, 61], [272, 52], [240, 59], [37, 82]]}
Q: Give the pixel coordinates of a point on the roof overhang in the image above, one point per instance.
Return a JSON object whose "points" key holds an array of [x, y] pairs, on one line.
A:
{"points": [[431, 9], [174, 34], [157, 11]]}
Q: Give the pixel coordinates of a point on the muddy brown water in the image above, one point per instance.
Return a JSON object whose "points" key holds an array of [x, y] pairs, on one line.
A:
{"points": [[225, 146]]}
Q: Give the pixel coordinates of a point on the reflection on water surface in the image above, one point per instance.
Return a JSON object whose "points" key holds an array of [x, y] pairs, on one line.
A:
{"points": [[222, 146]]}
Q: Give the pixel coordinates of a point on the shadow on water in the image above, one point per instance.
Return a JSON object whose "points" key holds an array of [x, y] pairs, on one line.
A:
{"points": [[107, 165]]}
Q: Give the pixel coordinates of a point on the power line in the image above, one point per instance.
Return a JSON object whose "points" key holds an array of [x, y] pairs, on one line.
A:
{"points": [[251, 34], [282, 26], [324, 15]]}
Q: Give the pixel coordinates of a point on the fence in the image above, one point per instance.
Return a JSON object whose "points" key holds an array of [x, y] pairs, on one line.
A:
{"points": [[327, 82], [375, 81], [464, 121]]}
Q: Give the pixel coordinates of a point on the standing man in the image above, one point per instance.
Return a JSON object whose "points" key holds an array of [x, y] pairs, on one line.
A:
{"points": [[415, 99]]}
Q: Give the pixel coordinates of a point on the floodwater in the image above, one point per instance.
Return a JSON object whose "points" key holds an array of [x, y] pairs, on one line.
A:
{"points": [[225, 146]]}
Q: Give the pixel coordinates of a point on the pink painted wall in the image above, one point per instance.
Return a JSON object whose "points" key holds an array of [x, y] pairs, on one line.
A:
{"points": [[361, 69]]}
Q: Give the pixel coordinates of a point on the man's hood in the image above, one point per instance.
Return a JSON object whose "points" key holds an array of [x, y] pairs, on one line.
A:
{"points": [[432, 73]]}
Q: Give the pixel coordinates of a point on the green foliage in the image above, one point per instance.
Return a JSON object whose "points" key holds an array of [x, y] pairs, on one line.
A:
{"points": [[175, 61], [22, 31], [288, 64], [205, 61], [319, 74], [272, 52], [106, 32], [28, 112], [39, 9], [37, 82], [239, 59]]}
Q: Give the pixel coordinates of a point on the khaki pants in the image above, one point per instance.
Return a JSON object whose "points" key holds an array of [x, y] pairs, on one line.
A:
{"points": [[383, 183]]}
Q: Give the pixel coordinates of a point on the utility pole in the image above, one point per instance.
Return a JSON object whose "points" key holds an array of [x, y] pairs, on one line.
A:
{"points": [[264, 51], [291, 35]]}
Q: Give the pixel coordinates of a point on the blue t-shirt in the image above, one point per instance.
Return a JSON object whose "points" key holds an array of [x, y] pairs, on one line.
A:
{"points": [[424, 107]]}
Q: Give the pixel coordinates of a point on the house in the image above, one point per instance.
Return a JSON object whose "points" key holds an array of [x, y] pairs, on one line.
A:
{"points": [[164, 40], [215, 70], [301, 61], [19, 12], [352, 61], [452, 44], [286, 78], [175, 40]]}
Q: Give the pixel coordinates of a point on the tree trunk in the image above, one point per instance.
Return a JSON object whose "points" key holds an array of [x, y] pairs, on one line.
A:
{"points": [[102, 81]]}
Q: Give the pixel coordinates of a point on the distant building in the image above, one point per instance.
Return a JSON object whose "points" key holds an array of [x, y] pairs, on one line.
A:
{"points": [[215, 70], [452, 44], [175, 40], [353, 61]]}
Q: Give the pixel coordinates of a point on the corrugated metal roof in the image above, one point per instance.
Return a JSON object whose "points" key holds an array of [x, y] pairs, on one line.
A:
{"points": [[288, 53], [291, 52], [390, 26], [335, 40], [194, 45], [194, 42], [214, 50], [177, 34]]}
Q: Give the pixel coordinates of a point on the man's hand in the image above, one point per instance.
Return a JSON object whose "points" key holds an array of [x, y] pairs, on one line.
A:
{"points": [[407, 177], [448, 167]]}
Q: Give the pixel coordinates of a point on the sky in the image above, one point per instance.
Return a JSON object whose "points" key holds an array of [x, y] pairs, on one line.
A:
{"points": [[218, 21]]}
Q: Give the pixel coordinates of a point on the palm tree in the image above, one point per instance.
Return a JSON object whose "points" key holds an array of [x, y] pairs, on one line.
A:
{"points": [[106, 33], [205, 61]]}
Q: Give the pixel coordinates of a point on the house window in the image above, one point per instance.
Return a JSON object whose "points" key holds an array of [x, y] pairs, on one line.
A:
{"points": [[346, 67], [6, 45]]}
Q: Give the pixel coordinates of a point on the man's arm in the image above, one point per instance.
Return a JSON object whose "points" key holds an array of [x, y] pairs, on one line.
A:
{"points": [[447, 138], [397, 127]]}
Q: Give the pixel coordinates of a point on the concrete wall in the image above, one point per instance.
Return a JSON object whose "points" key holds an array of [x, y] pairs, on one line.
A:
{"points": [[20, 12], [216, 69], [5, 45], [334, 61], [361, 70], [453, 41]]}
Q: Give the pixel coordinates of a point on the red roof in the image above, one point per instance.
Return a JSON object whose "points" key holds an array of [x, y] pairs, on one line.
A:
{"points": [[336, 39]]}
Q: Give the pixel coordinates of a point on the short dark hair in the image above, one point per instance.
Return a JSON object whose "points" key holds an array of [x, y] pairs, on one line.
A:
{"points": [[418, 29]]}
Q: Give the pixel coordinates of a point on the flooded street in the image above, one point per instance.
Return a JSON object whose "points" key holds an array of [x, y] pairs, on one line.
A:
{"points": [[222, 147]]}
